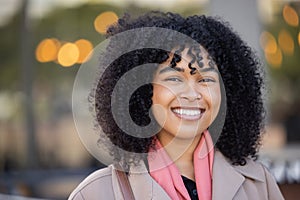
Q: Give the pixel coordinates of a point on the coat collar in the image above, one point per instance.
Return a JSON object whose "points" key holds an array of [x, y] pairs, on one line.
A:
{"points": [[227, 179], [142, 184]]}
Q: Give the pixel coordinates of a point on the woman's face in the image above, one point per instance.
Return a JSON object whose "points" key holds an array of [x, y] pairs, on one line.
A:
{"points": [[184, 103]]}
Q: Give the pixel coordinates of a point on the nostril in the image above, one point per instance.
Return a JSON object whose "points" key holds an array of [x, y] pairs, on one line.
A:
{"points": [[191, 96]]}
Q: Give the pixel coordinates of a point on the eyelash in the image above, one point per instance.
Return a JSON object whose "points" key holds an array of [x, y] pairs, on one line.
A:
{"points": [[179, 80], [173, 79], [207, 80]]}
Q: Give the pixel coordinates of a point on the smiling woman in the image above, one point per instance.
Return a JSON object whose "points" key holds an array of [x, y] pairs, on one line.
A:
{"points": [[188, 99], [181, 155]]}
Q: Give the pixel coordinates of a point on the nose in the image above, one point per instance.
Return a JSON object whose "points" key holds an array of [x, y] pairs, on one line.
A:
{"points": [[191, 93]]}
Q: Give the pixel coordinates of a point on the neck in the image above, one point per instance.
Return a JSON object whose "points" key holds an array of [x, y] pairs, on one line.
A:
{"points": [[181, 151]]}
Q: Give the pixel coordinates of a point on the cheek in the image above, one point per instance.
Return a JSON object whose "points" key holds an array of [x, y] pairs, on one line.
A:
{"points": [[162, 95], [213, 96], [161, 100], [216, 101]]}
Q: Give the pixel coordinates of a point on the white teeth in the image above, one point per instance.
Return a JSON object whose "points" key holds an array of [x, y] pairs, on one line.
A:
{"points": [[187, 112]]}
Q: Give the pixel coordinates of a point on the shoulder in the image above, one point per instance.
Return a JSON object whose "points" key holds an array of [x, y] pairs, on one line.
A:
{"points": [[252, 179], [252, 169], [96, 183], [258, 175]]}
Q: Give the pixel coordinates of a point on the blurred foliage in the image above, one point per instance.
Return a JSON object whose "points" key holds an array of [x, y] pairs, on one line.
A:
{"points": [[290, 66], [9, 53], [285, 79], [65, 24], [52, 83]]}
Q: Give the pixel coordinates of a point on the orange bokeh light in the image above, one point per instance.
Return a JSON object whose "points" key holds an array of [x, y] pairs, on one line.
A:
{"points": [[68, 54], [286, 42], [47, 50], [268, 42], [274, 59], [290, 15], [103, 20], [85, 50]]}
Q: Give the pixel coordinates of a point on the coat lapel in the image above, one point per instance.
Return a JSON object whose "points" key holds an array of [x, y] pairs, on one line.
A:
{"points": [[115, 184], [226, 180], [142, 184]]}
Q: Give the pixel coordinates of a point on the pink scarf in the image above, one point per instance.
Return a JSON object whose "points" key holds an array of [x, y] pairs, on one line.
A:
{"points": [[165, 172]]}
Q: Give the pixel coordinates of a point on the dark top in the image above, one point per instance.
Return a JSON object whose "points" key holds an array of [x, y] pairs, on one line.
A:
{"points": [[190, 185]]}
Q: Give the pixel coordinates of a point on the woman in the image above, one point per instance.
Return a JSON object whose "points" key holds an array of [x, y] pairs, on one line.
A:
{"points": [[192, 91]]}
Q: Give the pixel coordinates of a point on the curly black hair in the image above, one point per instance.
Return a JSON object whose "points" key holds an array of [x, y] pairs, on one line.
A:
{"points": [[239, 67]]}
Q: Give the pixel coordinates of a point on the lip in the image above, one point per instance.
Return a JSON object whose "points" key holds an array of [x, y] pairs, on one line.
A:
{"points": [[188, 113]]}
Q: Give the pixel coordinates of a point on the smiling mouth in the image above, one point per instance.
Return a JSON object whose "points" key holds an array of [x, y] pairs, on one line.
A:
{"points": [[188, 113]]}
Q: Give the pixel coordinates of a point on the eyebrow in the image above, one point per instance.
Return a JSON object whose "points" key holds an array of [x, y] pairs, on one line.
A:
{"points": [[167, 69], [208, 69]]}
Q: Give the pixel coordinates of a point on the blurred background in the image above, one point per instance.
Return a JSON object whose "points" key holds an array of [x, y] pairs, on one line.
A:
{"points": [[44, 42]]}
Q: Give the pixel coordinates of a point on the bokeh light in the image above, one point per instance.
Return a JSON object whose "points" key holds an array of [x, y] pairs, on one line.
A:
{"points": [[47, 50], [290, 15], [268, 42], [68, 54], [274, 59], [104, 20], [286, 42], [85, 50]]}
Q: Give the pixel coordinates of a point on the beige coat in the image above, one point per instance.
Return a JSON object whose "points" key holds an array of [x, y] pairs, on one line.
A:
{"points": [[252, 182]]}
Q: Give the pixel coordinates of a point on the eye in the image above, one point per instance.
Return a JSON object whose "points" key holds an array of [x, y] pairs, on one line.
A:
{"points": [[175, 79], [206, 80]]}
